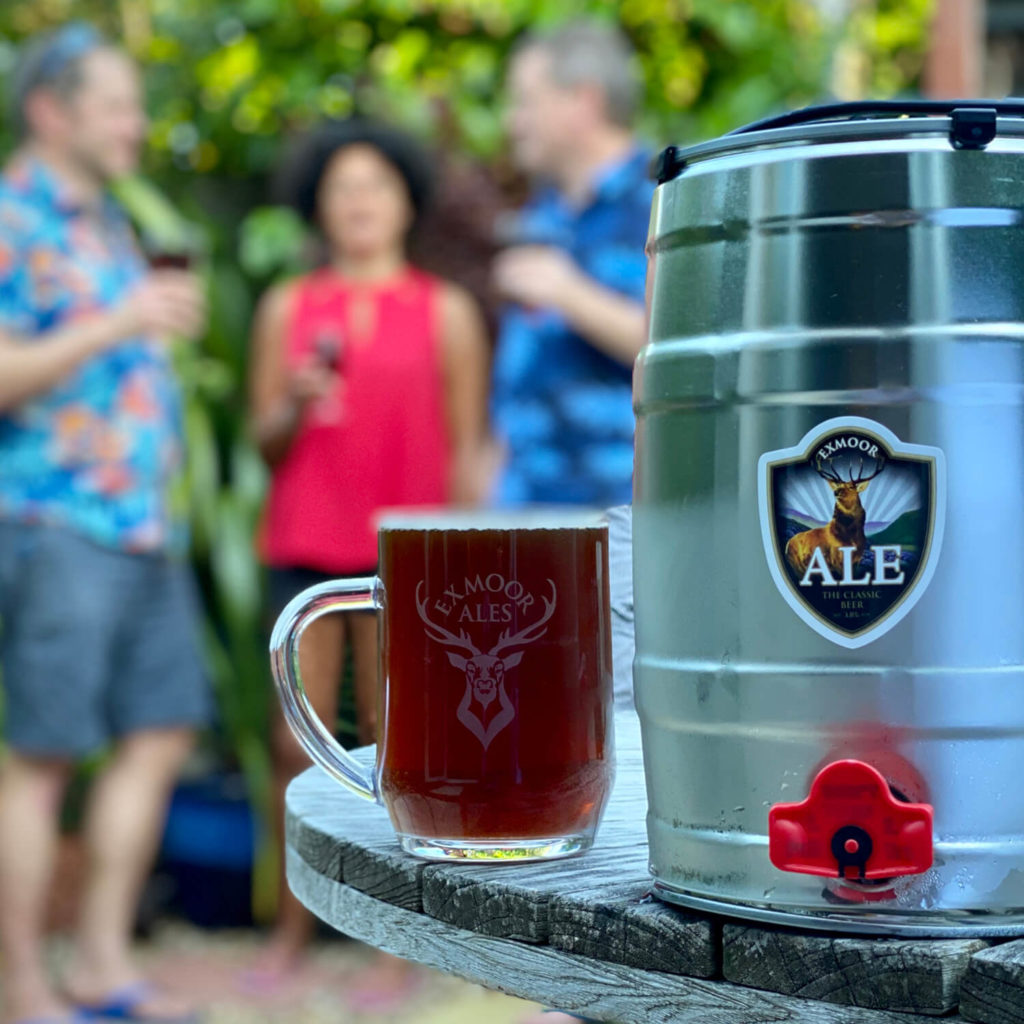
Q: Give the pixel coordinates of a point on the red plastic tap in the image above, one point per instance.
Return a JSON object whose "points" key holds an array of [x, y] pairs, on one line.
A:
{"points": [[851, 821]]}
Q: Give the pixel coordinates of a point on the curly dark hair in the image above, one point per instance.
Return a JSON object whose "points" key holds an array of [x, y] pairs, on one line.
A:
{"points": [[298, 181]]}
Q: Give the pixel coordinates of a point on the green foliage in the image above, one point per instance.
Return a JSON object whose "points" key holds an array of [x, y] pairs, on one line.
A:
{"points": [[271, 238], [229, 80], [891, 38]]}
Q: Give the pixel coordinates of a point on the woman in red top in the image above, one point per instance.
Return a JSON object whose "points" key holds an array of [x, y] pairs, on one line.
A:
{"points": [[368, 390]]}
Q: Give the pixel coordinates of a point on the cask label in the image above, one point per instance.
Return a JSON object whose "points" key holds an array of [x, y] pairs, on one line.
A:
{"points": [[852, 521]]}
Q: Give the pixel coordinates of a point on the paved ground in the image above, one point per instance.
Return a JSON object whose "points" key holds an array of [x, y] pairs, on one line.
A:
{"points": [[343, 982]]}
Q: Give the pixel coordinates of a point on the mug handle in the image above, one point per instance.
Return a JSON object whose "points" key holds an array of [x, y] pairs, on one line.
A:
{"points": [[334, 596]]}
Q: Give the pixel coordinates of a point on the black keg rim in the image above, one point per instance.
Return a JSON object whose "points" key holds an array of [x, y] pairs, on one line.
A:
{"points": [[967, 124]]}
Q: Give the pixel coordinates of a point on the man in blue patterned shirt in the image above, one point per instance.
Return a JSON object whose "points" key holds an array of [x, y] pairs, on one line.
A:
{"points": [[573, 273], [98, 642]]}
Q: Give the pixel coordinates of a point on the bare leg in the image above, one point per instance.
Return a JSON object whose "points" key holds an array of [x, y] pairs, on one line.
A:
{"points": [[30, 795], [321, 658], [365, 665], [126, 811]]}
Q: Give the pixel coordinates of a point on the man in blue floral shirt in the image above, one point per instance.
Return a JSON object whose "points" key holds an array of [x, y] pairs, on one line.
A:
{"points": [[98, 645], [573, 273]]}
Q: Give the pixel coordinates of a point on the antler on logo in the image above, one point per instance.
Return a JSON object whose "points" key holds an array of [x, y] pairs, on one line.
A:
{"points": [[485, 673]]}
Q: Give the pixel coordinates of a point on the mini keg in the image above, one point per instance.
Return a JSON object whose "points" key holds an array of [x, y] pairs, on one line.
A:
{"points": [[829, 521]]}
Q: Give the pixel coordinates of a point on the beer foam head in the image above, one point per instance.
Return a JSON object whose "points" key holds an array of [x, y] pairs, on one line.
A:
{"points": [[556, 517]]}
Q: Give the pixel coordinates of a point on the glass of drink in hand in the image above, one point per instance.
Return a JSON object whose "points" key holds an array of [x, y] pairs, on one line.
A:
{"points": [[168, 259], [179, 247], [329, 355]]}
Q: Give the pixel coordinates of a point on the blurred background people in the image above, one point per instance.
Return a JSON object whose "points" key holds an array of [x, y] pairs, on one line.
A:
{"points": [[573, 271], [368, 391], [98, 641]]}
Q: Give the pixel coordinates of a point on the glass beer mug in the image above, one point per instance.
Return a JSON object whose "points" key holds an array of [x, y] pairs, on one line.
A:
{"points": [[495, 694]]}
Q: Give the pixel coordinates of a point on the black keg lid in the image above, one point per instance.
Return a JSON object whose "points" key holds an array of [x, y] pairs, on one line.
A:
{"points": [[969, 123]]}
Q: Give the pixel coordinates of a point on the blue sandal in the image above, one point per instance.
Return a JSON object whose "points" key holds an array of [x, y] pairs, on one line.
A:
{"points": [[127, 1004]]}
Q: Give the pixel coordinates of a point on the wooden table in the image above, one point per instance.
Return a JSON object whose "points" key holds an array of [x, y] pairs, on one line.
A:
{"points": [[583, 934]]}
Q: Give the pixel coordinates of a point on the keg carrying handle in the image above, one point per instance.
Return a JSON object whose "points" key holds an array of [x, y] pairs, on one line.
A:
{"points": [[972, 122], [883, 108]]}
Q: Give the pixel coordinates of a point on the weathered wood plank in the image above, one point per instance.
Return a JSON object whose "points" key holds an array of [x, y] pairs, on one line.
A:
{"points": [[352, 838], [321, 849], [992, 990], [574, 983], [624, 925], [320, 811], [909, 975], [382, 870], [513, 902]]}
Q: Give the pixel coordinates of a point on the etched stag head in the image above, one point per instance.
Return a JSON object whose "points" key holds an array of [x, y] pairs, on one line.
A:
{"points": [[485, 671]]}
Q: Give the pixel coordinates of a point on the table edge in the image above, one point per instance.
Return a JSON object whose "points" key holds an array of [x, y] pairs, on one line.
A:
{"points": [[598, 989]]}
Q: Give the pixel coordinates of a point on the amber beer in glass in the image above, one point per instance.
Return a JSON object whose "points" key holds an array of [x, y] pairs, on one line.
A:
{"points": [[495, 703]]}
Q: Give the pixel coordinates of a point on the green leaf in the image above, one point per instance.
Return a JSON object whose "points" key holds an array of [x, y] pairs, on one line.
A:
{"points": [[271, 239]]}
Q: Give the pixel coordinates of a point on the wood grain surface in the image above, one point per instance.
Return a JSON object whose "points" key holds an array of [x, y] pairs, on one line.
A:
{"points": [[911, 975], [993, 987], [624, 924], [577, 984]]}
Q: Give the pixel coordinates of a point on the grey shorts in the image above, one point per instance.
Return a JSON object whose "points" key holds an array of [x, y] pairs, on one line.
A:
{"points": [[94, 643]]}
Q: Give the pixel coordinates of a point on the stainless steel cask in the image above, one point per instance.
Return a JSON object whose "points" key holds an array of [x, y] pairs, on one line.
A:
{"points": [[828, 527]]}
